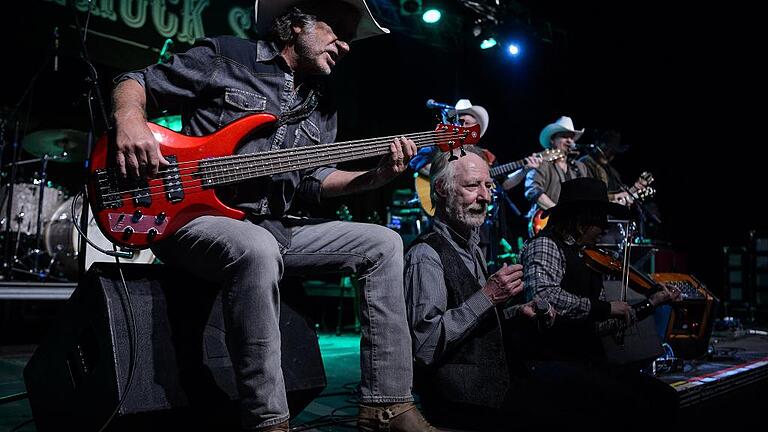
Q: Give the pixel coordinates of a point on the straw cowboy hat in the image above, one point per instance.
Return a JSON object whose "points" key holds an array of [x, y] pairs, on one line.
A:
{"points": [[586, 192], [563, 124], [464, 106], [267, 10]]}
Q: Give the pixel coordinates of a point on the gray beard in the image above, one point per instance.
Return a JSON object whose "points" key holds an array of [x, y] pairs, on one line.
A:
{"points": [[462, 214]]}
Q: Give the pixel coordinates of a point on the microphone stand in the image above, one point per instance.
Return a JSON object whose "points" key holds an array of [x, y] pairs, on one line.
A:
{"points": [[9, 257], [93, 80], [644, 213]]}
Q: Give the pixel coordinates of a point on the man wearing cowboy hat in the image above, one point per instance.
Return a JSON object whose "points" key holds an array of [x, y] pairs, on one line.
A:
{"points": [[569, 357], [219, 80], [598, 162], [542, 184], [467, 115]]}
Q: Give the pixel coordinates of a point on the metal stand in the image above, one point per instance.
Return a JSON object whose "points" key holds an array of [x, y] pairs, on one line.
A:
{"points": [[40, 202], [93, 79], [8, 257]]}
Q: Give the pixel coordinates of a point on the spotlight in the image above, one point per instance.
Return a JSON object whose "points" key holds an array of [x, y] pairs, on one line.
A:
{"points": [[410, 7], [488, 43], [477, 29], [514, 48], [431, 16]]}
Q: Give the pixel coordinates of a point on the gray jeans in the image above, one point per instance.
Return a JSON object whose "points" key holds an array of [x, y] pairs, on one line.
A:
{"points": [[249, 262]]}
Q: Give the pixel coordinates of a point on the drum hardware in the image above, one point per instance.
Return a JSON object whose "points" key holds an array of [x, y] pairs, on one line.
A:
{"points": [[29, 207], [41, 195], [63, 157]]}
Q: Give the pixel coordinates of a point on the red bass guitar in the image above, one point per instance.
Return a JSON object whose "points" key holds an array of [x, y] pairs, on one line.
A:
{"points": [[135, 213]]}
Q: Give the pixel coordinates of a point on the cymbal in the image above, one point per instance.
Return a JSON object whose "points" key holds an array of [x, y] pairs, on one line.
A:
{"points": [[57, 142]]}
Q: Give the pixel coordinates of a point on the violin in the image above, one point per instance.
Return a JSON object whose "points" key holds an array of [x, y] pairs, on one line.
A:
{"points": [[604, 262]]}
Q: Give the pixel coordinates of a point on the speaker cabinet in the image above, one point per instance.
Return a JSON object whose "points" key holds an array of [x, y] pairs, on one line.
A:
{"points": [[173, 350], [690, 326]]}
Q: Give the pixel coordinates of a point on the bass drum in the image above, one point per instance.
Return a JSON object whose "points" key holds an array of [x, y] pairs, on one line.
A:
{"points": [[62, 242], [24, 207]]}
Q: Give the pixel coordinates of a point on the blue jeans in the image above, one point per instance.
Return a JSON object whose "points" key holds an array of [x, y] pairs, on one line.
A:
{"points": [[249, 263]]}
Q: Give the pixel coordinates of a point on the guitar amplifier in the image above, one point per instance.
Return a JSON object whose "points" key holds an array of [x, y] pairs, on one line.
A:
{"points": [[690, 326]]}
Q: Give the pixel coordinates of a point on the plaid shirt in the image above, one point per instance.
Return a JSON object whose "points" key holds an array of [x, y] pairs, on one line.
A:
{"points": [[543, 272]]}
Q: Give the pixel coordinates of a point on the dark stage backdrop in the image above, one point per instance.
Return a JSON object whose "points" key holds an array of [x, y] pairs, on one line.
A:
{"points": [[681, 82]]}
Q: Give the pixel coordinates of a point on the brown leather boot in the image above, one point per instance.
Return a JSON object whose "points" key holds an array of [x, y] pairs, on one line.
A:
{"points": [[280, 427], [397, 417]]}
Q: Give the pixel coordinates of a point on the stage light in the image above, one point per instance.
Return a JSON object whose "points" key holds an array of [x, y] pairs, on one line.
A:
{"points": [[488, 43], [431, 16], [477, 30], [410, 7], [513, 49]]}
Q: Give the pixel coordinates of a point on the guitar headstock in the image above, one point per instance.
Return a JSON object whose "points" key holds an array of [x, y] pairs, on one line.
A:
{"points": [[550, 155], [645, 193], [449, 137], [646, 178]]}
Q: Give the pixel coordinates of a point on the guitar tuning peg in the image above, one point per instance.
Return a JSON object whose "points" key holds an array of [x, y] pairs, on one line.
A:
{"points": [[462, 152], [452, 157]]}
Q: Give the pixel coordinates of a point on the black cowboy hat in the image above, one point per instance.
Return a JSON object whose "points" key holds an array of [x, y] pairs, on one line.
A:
{"points": [[587, 192], [611, 140]]}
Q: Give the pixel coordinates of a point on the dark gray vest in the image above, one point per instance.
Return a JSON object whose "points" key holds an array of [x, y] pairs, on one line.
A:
{"points": [[474, 372]]}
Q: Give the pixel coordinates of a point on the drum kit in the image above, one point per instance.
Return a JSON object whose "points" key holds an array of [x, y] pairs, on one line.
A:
{"points": [[38, 225]]}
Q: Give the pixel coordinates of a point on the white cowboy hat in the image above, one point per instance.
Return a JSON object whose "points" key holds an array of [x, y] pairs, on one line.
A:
{"points": [[464, 106], [265, 11], [563, 124]]}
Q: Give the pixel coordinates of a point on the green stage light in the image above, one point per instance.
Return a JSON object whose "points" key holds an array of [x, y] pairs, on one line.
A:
{"points": [[488, 43], [431, 16]]}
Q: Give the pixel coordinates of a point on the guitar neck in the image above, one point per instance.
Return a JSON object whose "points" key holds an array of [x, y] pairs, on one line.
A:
{"points": [[238, 168], [507, 168]]}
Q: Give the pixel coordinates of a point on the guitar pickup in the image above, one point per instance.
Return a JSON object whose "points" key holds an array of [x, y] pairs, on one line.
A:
{"points": [[172, 181], [140, 194], [107, 190]]}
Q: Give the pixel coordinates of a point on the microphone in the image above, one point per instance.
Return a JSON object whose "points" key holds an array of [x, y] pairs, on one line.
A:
{"points": [[540, 307], [55, 49], [431, 104], [584, 146]]}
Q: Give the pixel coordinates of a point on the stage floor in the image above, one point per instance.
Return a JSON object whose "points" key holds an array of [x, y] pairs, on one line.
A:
{"points": [[730, 388], [701, 385]]}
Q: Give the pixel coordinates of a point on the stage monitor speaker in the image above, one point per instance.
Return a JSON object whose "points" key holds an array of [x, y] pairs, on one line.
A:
{"points": [[182, 373], [690, 326]]}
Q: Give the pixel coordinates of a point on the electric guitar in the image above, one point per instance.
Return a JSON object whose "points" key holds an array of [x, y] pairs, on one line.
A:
{"points": [[538, 221], [135, 213], [423, 187]]}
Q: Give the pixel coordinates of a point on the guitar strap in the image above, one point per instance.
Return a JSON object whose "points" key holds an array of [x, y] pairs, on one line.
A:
{"points": [[294, 116], [302, 111]]}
